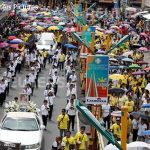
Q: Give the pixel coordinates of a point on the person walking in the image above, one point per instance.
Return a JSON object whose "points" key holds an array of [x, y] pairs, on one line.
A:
{"points": [[55, 82], [50, 98], [44, 112], [69, 141], [63, 121], [81, 139], [61, 60], [71, 111]]}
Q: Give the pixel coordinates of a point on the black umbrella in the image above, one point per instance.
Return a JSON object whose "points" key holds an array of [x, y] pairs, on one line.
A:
{"points": [[116, 90]]}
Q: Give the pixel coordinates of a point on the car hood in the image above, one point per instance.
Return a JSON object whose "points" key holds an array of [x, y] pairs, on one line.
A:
{"points": [[23, 137], [46, 47]]}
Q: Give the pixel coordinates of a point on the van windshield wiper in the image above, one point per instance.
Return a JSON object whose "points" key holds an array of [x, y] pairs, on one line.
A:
{"points": [[7, 128]]}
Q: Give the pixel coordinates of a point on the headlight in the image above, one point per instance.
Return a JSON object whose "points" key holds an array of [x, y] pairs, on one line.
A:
{"points": [[33, 146]]}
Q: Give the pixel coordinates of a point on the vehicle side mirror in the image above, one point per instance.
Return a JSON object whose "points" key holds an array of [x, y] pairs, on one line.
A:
{"points": [[42, 127]]}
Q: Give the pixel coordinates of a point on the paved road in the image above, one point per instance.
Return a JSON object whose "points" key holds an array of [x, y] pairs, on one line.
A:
{"points": [[60, 101]]}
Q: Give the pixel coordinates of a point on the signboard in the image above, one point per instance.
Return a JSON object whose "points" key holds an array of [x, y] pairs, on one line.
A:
{"points": [[9, 146], [97, 79]]}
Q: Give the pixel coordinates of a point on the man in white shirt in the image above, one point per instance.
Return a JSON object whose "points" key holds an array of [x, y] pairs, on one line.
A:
{"points": [[27, 81], [32, 77], [73, 77], [50, 99], [55, 82], [141, 127], [44, 112], [2, 92], [135, 123], [106, 115], [71, 111]]}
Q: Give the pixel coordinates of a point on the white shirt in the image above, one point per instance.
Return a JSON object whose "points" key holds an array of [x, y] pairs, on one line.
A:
{"points": [[12, 68], [141, 128], [2, 87], [32, 56], [29, 91], [27, 56], [73, 78], [106, 110], [55, 79], [27, 82], [135, 124], [32, 77], [70, 92], [52, 71], [8, 75], [11, 55], [71, 109], [50, 99], [44, 111]]}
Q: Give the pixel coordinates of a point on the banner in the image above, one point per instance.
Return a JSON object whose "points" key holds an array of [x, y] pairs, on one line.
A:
{"points": [[97, 79], [9, 146]]}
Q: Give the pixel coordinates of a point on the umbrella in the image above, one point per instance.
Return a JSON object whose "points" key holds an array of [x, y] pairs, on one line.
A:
{"points": [[14, 46], [113, 67], [116, 113], [100, 52], [114, 27], [70, 46], [116, 90], [11, 37], [142, 63], [23, 23], [139, 114], [138, 145], [138, 73], [146, 106], [116, 76], [61, 23], [53, 28], [143, 34], [16, 41], [147, 68], [128, 60], [134, 66], [127, 53], [3, 44], [147, 132], [136, 45], [113, 59], [39, 28], [111, 147], [144, 49], [147, 87]]}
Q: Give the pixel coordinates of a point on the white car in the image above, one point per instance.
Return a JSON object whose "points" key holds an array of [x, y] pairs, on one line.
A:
{"points": [[46, 40], [22, 127]]}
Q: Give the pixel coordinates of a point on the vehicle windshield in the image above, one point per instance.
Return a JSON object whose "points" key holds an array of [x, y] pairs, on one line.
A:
{"points": [[46, 42], [20, 124]]}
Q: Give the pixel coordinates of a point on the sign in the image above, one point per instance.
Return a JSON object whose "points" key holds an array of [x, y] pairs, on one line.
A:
{"points": [[97, 79], [96, 124], [9, 146], [23, 99]]}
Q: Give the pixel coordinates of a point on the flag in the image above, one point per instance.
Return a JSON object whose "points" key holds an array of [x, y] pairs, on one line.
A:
{"points": [[86, 36], [121, 41]]}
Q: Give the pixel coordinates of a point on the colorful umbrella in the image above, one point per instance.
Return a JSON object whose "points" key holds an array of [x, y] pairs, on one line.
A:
{"points": [[128, 60], [127, 53], [11, 37], [134, 66], [142, 63], [146, 106], [144, 49], [39, 28], [143, 34], [16, 41], [53, 28], [113, 59], [138, 73], [61, 23], [147, 69], [116, 77], [14, 46], [147, 87], [3, 44], [145, 133]]}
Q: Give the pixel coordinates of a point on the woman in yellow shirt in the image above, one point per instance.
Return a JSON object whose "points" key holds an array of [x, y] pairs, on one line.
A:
{"points": [[130, 104], [113, 100]]}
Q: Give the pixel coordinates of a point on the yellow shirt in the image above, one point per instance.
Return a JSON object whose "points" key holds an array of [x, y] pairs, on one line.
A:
{"points": [[62, 57], [116, 129], [68, 141], [63, 120], [130, 105], [82, 138], [113, 101], [44, 54]]}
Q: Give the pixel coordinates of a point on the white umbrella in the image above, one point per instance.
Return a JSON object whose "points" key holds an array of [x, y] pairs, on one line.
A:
{"points": [[147, 87], [138, 146], [111, 147], [128, 53]]}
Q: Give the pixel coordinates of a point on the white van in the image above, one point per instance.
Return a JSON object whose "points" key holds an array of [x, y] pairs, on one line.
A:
{"points": [[46, 40]]}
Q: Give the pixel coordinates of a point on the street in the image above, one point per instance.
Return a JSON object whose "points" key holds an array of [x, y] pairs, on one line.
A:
{"points": [[60, 101]]}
